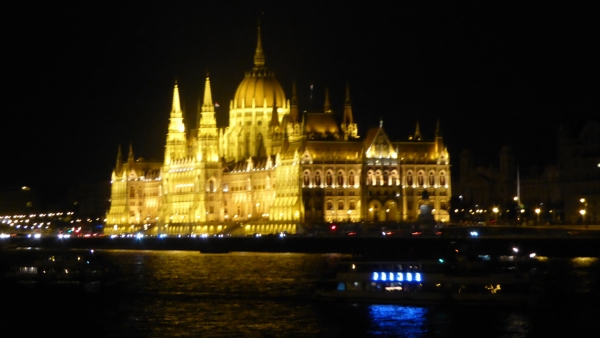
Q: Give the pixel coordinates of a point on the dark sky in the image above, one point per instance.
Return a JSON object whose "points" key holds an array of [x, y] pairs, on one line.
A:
{"points": [[82, 78]]}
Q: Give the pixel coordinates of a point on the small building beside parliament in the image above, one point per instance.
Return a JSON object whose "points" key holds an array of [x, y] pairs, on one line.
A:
{"points": [[274, 169]]}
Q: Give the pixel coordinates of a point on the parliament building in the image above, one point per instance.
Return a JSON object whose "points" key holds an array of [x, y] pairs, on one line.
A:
{"points": [[275, 169]]}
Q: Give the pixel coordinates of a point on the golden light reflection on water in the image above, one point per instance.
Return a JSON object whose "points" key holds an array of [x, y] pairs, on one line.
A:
{"points": [[584, 261]]}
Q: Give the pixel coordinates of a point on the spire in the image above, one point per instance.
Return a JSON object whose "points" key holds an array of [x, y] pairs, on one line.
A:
{"points": [[130, 157], [294, 105], [176, 120], [348, 107], [176, 107], [417, 136], [437, 129], [176, 140], [207, 106], [327, 106], [259, 56], [119, 160]]}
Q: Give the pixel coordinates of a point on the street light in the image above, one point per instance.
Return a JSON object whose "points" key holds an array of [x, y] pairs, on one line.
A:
{"points": [[537, 212], [584, 210], [495, 210]]}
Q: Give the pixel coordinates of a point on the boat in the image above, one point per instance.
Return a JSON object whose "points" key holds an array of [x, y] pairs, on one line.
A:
{"points": [[52, 270], [465, 282]]}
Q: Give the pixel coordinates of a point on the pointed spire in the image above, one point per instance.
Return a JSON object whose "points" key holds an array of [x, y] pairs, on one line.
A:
{"points": [[348, 107], [119, 160], [418, 133], [327, 106], [130, 157], [294, 105], [207, 106], [176, 103], [438, 133], [259, 56], [381, 122], [176, 119]]}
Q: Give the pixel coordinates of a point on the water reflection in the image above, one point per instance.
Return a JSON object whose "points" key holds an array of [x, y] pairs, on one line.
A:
{"points": [[399, 321], [182, 293]]}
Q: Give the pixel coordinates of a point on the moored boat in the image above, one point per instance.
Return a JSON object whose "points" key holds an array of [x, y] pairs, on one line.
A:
{"points": [[428, 283], [43, 269]]}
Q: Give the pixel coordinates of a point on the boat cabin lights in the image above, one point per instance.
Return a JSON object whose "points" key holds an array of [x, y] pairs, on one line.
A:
{"points": [[396, 277]]}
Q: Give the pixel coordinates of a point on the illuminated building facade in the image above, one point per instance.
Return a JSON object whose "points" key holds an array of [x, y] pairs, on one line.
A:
{"points": [[273, 169]]}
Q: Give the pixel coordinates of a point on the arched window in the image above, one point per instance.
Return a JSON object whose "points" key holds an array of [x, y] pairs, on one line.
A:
{"points": [[420, 179], [340, 205], [431, 178], [340, 179], [442, 179], [211, 186], [369, 177], [352, 205], [351, 178], [132, 192], [329, 205], [377, 177], [394, 177], [409, 178], [306, 179], [318, 179], [329, 179], [386, 176]]}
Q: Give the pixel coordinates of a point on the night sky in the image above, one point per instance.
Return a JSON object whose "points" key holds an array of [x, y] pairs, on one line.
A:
{"points": [[81, 79]]}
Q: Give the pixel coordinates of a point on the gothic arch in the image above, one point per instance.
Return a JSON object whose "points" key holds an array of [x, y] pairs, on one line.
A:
{"points": [[340, 178], [374, 211]]}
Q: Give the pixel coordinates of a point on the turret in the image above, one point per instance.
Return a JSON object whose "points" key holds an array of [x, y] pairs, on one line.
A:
{"points": [[327, 106], [417, 136], [130, 157], [349, 128], [208, 134], [176, 141], [294, 105], [439, 140], [119, 165]]}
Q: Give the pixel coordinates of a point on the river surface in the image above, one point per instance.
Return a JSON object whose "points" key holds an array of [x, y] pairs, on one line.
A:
{"points": [[188, 294]]}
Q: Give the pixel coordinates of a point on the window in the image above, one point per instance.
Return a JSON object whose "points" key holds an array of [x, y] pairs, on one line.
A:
{"points": [[442, 179], [409, 179], [329, 205], [340, 205], [132, 192], [431, 179], [340, 178], [352, 205], [351, 178], [211, 209], [306, 179], [318, 179], [340, 193], [329, 179], [329, 193]]}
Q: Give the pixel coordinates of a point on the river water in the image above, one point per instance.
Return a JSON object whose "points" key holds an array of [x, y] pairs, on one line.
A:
{"points": [[188, 294]]}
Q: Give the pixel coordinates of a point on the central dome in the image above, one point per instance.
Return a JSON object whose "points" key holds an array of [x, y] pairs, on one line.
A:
{"points": [[260, 85]]}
